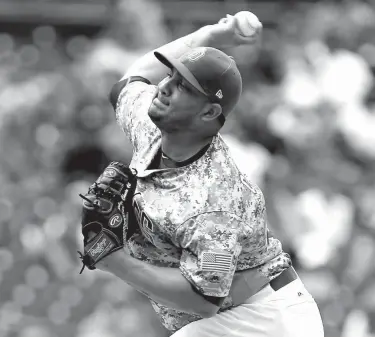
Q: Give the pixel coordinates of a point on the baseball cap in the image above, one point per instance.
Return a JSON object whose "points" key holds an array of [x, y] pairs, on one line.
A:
{"points": [[210, 71]]}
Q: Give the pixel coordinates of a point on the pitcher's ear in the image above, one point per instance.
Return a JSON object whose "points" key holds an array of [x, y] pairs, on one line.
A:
{"points": [[212, 112]]}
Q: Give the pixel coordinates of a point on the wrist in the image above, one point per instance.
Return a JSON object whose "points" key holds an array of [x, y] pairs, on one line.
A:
{"points": [[203, 37], [211, 36]]}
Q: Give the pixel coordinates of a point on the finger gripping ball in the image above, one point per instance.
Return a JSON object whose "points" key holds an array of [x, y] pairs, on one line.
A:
{"points": [[248, 23]]}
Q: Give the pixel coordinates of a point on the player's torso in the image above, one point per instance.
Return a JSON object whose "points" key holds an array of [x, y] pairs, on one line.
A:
{"points": [[165, 199]]}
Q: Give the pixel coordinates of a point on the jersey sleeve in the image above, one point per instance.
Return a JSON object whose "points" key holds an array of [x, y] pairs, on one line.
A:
{"points": [[210, 244], [131, 102]]}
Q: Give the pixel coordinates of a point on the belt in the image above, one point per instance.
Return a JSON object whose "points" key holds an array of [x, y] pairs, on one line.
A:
{"points": [[287, 276]]}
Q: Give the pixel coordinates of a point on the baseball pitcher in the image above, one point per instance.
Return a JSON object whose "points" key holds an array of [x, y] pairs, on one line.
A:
{"points": [[201, 250]]}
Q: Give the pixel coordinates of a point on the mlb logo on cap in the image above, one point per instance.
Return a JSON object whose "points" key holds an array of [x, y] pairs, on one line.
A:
{"points": [[219, 94]]}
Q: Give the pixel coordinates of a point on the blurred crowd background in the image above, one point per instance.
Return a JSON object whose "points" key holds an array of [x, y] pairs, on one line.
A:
{"points": [[304, 131]]}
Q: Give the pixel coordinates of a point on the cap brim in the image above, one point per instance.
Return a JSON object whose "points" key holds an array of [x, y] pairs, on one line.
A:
{"points": [[171, 62]]}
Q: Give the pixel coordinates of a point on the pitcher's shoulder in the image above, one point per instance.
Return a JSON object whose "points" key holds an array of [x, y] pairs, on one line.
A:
{"points": [[127, 86]]}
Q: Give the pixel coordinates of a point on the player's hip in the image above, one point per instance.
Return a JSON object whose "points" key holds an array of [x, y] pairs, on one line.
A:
{"points": [[287, 312], [290, 311], [284, 286]]}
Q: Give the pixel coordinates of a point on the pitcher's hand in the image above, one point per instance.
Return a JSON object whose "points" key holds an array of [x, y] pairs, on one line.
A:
{"points": [[225, 34]]}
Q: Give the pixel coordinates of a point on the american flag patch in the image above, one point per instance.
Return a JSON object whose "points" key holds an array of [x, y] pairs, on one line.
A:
{"points": [[215, 261]]}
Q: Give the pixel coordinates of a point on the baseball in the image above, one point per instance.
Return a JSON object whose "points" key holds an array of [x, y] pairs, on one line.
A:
{"points": [[248, 23]]}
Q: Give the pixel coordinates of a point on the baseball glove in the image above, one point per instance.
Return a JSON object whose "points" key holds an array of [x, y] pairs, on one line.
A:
{"points": [[106, 209]]}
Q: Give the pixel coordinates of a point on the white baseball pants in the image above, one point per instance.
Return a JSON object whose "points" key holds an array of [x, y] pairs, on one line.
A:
{"points": [[289, 312]]}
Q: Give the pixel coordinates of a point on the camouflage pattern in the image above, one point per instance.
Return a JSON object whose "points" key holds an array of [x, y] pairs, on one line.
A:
{"points": [[184, 213]]}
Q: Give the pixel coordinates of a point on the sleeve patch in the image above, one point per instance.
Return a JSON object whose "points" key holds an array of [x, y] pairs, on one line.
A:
{"points": [[215, 261]]}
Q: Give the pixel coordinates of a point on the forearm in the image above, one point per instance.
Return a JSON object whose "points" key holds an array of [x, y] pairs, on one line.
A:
{"points": [[223, 36], [167, 286], [149, 67], [164, 285]]}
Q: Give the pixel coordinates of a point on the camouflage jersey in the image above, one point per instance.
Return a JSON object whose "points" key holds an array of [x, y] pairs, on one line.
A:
{"points": [[204, 218]]}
